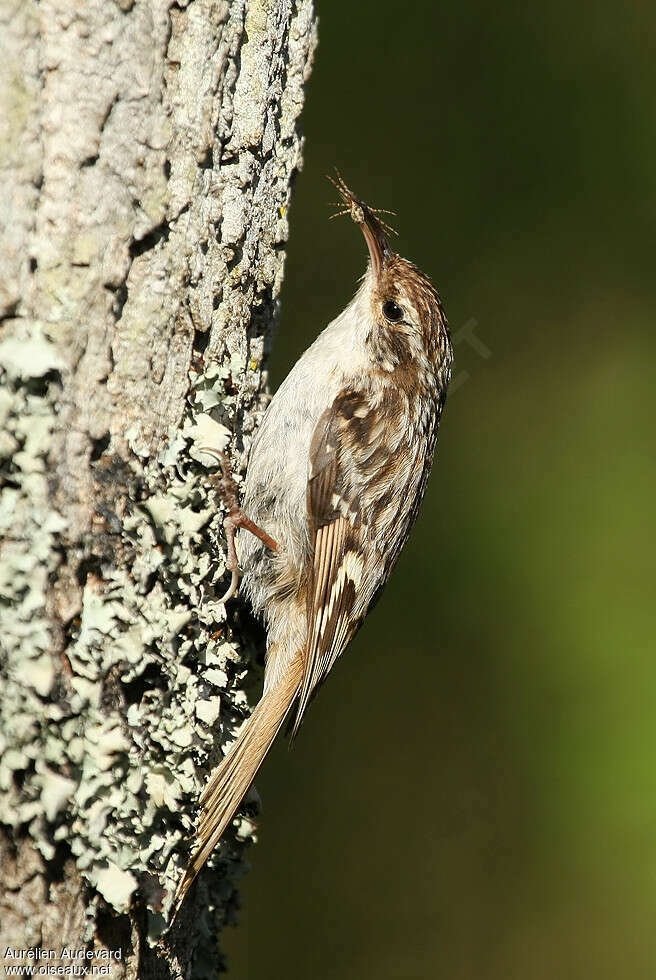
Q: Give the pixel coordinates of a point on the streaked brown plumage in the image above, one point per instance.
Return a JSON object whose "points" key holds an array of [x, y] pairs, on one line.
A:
{"points": [[336, 475]]}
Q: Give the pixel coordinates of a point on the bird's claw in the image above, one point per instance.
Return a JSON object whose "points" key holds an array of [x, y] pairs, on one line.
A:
{"points": [[235, 519], [232, 588]]}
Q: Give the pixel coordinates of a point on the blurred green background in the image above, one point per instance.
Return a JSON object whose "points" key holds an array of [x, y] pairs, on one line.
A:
{"points": [[473, 795]]}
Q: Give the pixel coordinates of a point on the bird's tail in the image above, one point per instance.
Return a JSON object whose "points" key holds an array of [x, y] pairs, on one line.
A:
{"points": [[229, 783]]}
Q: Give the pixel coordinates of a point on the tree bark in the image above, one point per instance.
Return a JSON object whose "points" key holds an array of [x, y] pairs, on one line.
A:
{"points": [[147, 152]]}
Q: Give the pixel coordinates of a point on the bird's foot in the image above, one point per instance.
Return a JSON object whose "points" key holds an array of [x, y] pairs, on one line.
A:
{"points": [[236, 518]]}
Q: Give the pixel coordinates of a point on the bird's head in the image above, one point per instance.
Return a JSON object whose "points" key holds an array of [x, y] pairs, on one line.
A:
{"points": [[404, 306]]}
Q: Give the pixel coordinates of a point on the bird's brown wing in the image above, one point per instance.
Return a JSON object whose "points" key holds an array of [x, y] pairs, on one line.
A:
{"points": [[336, 599]]}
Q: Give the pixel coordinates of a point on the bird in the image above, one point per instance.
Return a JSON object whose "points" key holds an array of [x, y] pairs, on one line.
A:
{"points": [[336, 474]]}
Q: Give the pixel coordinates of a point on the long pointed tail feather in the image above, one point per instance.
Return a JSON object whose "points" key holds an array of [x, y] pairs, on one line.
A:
{"points": [[230, 782]]}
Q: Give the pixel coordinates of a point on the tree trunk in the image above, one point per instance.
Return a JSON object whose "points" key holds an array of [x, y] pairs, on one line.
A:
{"points": [[147, 151]]}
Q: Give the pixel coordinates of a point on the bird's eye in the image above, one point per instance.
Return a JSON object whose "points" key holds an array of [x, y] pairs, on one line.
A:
{"points": [[392, 311]]}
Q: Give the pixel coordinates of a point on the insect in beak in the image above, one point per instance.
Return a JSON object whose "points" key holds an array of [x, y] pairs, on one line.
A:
{"points": [[373, 228]]}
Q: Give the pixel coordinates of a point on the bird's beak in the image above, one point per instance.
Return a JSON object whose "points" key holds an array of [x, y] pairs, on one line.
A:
{"points": [[374, 236], [372, 229]]}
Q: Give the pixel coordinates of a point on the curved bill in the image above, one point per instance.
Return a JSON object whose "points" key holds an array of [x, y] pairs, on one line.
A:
{"points": [[372, 229]]}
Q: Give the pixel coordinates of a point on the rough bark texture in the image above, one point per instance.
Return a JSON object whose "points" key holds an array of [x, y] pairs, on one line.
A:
{"points": [[147, 150]]}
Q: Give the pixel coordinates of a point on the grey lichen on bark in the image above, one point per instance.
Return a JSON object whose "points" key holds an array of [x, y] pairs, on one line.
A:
{"points": [[147, 152]]}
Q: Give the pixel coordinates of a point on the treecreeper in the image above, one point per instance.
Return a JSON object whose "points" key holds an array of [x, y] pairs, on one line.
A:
{"points": [[335, 478]]}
